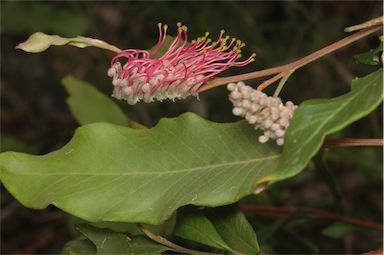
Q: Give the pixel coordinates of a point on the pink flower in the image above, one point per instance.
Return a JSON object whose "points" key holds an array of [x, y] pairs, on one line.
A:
{"points": [[179, 72]]}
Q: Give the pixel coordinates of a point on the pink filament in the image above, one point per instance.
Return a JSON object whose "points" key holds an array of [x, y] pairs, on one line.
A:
{"points": [[200, 60]]}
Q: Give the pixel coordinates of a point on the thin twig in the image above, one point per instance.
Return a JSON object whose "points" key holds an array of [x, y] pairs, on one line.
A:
{"points": [[281, 83], [294, 65], [170, 245], [284, 211], [347, 142], [270, 81], [369, 23]]}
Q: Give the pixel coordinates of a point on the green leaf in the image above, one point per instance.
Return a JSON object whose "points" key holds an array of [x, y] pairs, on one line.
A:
{"points": [[88, 105], [142, 245], [314, 119], [41, 17], [113, 173], [105, 171], [39, 42], [372, 57], [110, 242], [225, 228], [79, 247], [105, 240], [234, 228], [195, 226], [339, 229]]}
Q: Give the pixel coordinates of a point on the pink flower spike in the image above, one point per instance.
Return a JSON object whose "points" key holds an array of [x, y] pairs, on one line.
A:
{"points": [[179, 72]]}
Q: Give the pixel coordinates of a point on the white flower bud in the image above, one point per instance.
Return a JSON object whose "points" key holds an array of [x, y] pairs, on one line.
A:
{"points": [[235, 95], [255, 107], [266, 113], [279, 133], [268, 123], [275, 126], [237, 111], [231, 86], [246, 104], [252, 119], [263, 139]]}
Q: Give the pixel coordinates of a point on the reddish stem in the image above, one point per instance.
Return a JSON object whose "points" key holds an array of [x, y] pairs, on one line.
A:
{"points": [[347, 142], [294, 65], [284, 211]]}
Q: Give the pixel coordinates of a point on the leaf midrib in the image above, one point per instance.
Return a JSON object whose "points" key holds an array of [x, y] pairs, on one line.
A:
{"points": [[193, 169]]}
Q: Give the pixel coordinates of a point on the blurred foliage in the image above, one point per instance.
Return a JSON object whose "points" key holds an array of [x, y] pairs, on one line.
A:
{"points": [[41, 17], [36, 119], [339, 229]]}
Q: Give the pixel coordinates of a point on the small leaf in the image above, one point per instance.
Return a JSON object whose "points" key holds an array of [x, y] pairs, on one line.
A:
{"points": [[372, 57], [234, 228], [225, 228], [142, 245], [195, 226], [88, 105], [105, 240], [79, 247], [39, 42], [110, 242]]}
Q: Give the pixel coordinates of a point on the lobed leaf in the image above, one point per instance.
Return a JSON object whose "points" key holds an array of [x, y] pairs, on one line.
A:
{"points": [[113, 173]]}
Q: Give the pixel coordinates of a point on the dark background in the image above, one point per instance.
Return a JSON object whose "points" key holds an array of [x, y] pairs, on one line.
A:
{"points": [[35, 118]]}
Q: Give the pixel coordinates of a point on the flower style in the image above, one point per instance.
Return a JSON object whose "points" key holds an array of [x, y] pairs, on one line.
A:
{"points": [[179, 72], [266, 113]]}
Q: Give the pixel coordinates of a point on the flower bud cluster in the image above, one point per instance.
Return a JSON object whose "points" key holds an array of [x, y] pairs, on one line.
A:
{"points": [[265, 113]]}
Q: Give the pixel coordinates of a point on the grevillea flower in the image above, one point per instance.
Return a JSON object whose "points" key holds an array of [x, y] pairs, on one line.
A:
{"points": [[179, 72]]}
